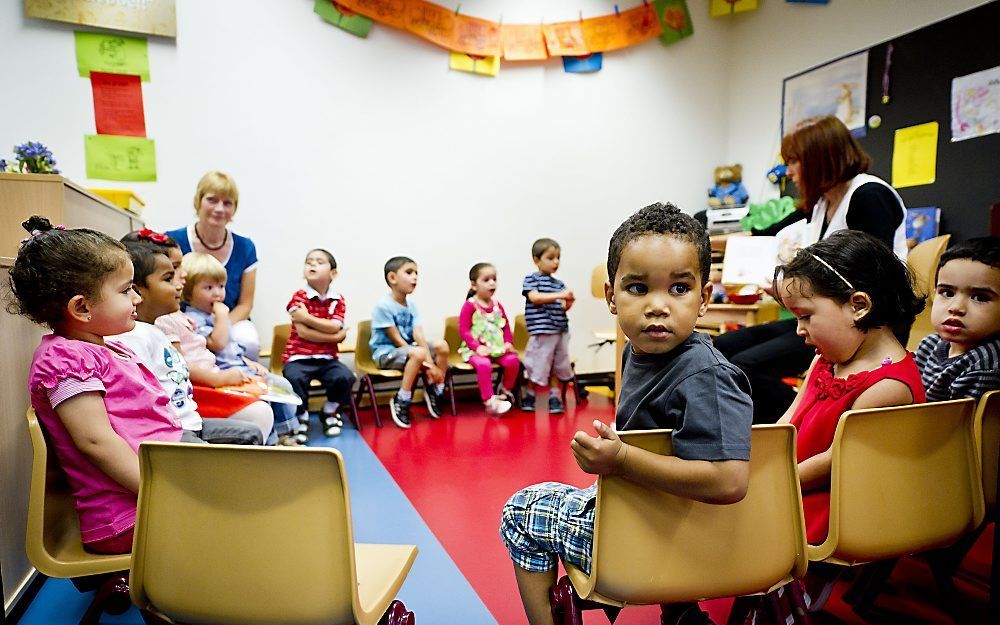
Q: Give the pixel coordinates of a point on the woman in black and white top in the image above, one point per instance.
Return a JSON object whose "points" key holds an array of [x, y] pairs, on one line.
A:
{"points": [[830, 169]]}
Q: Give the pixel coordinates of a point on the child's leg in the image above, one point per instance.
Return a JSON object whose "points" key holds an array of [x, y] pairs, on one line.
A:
{"points": [[258, 413], [230, 431], [338, 380], [440, 351], [511, 366], [415, 359], [538, 359], [562, 365], [484, 375], [299, 373]]}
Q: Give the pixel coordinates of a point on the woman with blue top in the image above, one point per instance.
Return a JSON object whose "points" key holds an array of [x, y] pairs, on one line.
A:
{"points": [[215, 204]]}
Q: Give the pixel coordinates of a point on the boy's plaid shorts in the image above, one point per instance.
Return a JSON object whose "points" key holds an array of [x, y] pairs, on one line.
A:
{"points": [[548, 520]]}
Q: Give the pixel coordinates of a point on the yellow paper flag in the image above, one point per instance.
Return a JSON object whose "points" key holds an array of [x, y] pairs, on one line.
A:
{"points": [[486, 66], [914, 155], [718, 8]]}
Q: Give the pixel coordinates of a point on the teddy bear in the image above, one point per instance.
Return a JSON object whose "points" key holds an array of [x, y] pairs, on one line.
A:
{"points": [[728, 189]]}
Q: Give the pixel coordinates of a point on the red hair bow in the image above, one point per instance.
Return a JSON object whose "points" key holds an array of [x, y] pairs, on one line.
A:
{"points": [[152, 235]]}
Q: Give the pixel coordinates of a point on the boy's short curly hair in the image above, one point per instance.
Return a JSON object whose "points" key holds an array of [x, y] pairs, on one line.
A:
{"points": [[661, 218], [984, 250]]}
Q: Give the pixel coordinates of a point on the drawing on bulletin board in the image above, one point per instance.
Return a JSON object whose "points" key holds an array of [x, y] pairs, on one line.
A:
{"points": [[975, 104], [112, 54], [914, 155], [837, 88], [921, 224], [110, 157]]}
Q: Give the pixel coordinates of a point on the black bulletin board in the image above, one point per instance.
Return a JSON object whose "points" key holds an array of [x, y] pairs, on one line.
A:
{"points": [[924, 63]]}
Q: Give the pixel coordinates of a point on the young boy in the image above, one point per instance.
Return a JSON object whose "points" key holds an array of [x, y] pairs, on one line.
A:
{"points": [[963, 358], [398, 342], [546, 358], [658, 263], [204, 290], [317, 313], [157, 283]]}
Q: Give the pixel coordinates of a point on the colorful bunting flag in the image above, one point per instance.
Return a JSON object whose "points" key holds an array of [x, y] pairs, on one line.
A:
{"points": [[485, 66], [343, 18], [719, 8], [583, 64], [523, 42], [675, 19]]}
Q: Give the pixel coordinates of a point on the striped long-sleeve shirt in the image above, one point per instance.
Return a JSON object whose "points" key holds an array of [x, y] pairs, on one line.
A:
{"points": [[972, 374]]}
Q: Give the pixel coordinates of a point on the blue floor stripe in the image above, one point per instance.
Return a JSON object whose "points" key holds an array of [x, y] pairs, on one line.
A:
{"points": [[435, 590]]}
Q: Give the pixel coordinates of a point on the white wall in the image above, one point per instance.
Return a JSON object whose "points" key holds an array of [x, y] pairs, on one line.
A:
{"points": [[374, 148], [781, 39]]}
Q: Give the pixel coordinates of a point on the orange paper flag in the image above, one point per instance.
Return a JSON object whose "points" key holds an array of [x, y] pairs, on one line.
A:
{"points": [[565, 39], [523, 42], [457, 33], [388, 12], [611, 32]]}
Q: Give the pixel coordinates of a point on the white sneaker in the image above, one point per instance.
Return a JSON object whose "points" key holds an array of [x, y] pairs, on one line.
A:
{"points": [[332, 425], [497, 406]]}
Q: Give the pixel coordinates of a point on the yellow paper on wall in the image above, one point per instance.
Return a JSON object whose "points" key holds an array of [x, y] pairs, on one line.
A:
{"points": [[485, 66], [718, 8], [914, 155]]}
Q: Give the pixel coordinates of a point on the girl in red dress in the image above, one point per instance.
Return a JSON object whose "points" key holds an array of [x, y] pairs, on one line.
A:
{"points": [[854, 302]]}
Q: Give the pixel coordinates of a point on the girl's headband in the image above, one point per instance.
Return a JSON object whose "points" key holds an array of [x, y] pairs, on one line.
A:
{"points": [[830, 267]]}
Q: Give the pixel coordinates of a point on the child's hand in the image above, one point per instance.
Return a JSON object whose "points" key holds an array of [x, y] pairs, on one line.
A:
{"points": [[299, 314], [219, 309], [603, 455], [508, 348], [482, 350], [256, 366], [234, 377], [568, 295]]}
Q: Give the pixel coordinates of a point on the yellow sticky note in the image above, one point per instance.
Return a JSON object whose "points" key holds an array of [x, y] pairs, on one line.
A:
{"points": [[914, 155], [487, 65], [718, 8]]}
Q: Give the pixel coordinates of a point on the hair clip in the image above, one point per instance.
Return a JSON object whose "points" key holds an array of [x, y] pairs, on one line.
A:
{"points": [[152, 235]]}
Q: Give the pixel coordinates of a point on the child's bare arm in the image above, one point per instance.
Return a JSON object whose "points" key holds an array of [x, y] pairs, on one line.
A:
{"points": [[418, 337], [537, 297], [721, 482], [397, 339], [320, 336], [86, 420], [301, 316], [219, 338], [214, 377]]}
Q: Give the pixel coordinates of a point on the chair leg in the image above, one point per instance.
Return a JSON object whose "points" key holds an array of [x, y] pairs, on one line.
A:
{"points": [[774, 609], [742, 610], [112, 596], [397, 614], [151, 618], [355, 417], [450, 384], [798, 603], [371, 397], [565, 604]]}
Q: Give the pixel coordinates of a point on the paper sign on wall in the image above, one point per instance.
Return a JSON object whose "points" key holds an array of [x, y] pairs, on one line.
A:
{"points": [[118, 106], [485, 66], [583, 64], [155, 17], [621, 30], [113, 54], [338, 16], [675, 19], [565, 39], [523, 42], [718, 8], [110, 157], [914, 155]]}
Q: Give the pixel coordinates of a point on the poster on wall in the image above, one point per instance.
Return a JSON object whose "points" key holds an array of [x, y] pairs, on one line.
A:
{"points": [[837, 88], [152, 17], [975, 104]]}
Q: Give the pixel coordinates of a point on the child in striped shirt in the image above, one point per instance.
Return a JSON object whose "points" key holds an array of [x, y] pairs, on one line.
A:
{"points": [[546, 358], [962, 359]]}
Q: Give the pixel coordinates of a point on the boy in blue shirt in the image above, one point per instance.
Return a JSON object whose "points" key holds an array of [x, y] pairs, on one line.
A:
{"points": [[546, 358], [672, 378], [398, 342]]}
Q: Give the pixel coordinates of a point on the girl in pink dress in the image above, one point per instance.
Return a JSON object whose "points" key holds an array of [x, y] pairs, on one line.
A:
{"points": [[94, 399], [854, 302]]}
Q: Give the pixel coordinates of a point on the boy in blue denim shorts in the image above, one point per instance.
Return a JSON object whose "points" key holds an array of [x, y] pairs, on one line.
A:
{"points": [[672, 378]]}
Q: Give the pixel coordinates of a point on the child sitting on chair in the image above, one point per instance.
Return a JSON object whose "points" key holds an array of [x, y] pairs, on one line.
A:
{"points": [[317, 314], [963, 358], [672, 378], [204, 290], [398, 342]]}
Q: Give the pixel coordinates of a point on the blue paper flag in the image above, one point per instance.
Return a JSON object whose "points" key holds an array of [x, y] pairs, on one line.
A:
{"points": [[583, 64]]}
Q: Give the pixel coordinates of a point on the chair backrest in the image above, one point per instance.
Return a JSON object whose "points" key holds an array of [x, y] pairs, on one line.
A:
{"points": [[653, 547], [903, 480], [988, 435], [363, 352], [452, 336], [240, 534], [923, 260], [52, 539], [278, 342], [520, 334], [597, 279]]}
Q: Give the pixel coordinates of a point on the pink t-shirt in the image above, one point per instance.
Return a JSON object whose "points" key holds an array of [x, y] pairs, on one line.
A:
{"points": [[179, 328], [138, 409]]}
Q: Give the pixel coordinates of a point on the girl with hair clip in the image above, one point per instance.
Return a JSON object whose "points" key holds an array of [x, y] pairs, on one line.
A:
{"points": [[93, 398], [487, 338], [854, 304]]}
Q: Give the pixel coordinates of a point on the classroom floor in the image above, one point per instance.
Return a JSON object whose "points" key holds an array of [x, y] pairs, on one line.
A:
{"points": [[441, 485]]}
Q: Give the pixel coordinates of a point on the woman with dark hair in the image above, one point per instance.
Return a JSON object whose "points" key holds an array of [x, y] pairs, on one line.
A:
{"points": [[830, 169]]}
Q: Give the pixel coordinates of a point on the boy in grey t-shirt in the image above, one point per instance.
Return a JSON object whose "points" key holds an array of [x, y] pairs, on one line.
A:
{"points": [[672, 378]]}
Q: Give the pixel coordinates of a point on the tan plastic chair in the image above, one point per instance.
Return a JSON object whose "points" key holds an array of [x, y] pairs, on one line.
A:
{"points": [[205, 511], [923, 261], [651, 547], [988, 435], [370, 374], [903, 480], [597, 279], [457, 365], [53, 542]]}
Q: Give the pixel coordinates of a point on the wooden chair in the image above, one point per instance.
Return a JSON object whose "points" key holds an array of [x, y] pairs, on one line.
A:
{"points": [[651, 547], [53, 540], [923, 261], [279, 339], [521, 343], [204, 511], [456, 365]]}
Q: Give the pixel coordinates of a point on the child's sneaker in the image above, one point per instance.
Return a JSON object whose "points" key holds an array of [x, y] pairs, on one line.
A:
{"points": [[400, 411], [528, 403], [302, 428], [497, 406], [301, 438], [304, 417], [287, 440], [434, 400], [332, 425], [555, 405]]}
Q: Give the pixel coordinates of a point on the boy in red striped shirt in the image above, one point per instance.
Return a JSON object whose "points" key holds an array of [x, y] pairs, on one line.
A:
{"points": [[317, 313]]}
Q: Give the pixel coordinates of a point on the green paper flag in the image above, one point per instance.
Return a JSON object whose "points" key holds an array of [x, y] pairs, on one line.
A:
{"points": [[675, 19], [355, 24], [113, 54], [111, 157]]}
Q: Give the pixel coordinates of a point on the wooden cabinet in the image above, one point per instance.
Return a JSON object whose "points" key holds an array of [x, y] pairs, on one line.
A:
{"points": [[62, 202]]}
